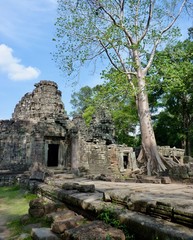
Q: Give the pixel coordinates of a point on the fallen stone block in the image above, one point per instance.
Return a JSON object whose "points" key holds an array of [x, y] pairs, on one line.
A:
{"points": [[95, 230], [146, 179], [86, 188], [38, 176], [166, 180], [37, 203], [79, 187], [43, 234], [36, 212], [50, 207], [57, 216], [70, 186], [63, 225]]}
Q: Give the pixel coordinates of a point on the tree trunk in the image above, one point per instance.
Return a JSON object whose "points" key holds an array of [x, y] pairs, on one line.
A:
{"points": [[187, 143], [154, 162]]}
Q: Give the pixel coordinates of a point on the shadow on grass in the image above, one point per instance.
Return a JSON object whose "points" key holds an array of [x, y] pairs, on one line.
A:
{"points": [[14, 203]]}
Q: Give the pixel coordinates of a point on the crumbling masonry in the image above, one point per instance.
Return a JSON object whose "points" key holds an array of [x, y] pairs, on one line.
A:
{"points": [[40, 131]]}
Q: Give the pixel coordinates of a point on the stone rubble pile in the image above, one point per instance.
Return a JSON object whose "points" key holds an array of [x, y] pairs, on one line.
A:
{"points": [[66, 224]]}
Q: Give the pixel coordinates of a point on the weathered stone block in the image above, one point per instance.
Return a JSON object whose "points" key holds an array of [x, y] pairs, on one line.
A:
{"points": [[70, 186], [166, 180], [37, 203], [95, 230], [38, 176], [146, 179], [50, 207], [58, 216], [79, 187], [65, 224], [36, 212], [86, 188], [25, 219], [106, 197], [37, 208], [43, 234]]}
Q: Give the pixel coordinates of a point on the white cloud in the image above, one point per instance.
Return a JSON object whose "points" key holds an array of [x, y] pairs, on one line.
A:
{"points": [[13, 68]]}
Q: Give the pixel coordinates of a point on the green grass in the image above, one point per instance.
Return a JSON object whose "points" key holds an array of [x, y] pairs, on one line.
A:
{"points": [[14, 202], [108, 216]]}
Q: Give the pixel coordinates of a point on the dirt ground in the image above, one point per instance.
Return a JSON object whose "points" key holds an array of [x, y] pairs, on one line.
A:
{"points": [[4, 231]]}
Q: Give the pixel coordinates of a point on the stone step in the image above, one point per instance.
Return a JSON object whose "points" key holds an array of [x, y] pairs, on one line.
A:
{"points": [[56, 170], [69, 225], [60, 226], [96, 230], [62, 215]]}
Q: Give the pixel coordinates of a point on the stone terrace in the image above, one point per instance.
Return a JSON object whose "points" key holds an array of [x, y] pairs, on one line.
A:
{"points": [[150, 211]]}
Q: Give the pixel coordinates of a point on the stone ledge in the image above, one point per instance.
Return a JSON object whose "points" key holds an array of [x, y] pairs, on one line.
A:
{"points": [[142, 225]]}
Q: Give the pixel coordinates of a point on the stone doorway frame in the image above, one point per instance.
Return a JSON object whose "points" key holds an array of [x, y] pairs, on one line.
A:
{"points": [[53, 150], [60, 141]]}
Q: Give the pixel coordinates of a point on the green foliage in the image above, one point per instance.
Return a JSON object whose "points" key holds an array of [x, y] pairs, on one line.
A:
{"points": [[80, 100], [88, 29], [109, 217], [116, 94], [15, 203], [174, 67], [29, 196], [17, 198], [88, 113], [17, 228], [168, 130]]}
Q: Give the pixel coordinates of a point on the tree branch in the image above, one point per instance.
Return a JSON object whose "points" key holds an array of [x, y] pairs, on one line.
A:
{"points": [[151, 7], [119, 57], [158, 40], [128, 35], [151, 57], [174, 20], [108, 55]]}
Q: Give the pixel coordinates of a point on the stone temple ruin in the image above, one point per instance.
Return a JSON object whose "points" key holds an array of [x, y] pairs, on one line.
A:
{"points": [[41, 132]]}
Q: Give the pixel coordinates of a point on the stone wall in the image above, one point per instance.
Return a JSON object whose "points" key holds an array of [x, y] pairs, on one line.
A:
{"points": [[15, 144], [97, 151]]}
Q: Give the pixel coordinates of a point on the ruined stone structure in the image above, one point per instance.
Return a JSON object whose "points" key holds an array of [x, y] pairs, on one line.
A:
{"points": [[40, 131]]}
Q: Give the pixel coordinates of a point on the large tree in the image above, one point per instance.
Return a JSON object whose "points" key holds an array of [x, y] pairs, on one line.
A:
{"points": [[128, 34]]}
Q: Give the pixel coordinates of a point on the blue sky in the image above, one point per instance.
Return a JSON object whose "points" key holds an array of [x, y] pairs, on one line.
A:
{"points": [[26, 32]]}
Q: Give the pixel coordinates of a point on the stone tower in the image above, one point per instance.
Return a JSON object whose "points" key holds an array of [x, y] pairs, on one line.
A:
{"points": [[37, 131], [42, 104]]}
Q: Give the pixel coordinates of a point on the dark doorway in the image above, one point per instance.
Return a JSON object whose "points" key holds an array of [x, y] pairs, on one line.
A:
{"points": [[53, 155], [125, 161]]}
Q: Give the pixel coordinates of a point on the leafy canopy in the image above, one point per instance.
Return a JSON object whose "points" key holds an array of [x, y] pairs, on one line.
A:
{"points": [[113, 29], [174, 67]]}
